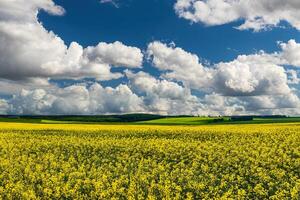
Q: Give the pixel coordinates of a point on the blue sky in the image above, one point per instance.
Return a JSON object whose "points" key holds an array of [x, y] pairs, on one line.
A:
{"points": [[139, 22], [182, 31]]}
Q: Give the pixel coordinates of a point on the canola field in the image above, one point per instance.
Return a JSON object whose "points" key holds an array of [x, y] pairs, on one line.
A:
{"points": [[57, 161]]}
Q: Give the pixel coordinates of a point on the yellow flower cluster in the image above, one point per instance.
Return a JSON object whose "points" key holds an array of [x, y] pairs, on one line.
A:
{"points": [[39, 161]]}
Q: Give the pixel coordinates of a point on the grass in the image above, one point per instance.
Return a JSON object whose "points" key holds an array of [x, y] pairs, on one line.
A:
{"points": [[268, 120], [217, 121], [184, 121]]}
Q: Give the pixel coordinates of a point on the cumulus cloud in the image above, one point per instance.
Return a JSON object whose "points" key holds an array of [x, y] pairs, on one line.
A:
{"points": [[95, 61], [250, 75], [30, 56], [249, 84], [116, 54], [31, 102], [256, 14], [115, 100], [4, 106], [26, 11], [216, 104], [76, 99], [272, 102], [144, 93], [10, 87], [247, 75], [293, 77], [259, 81], [28, 50], [162, 96], [291, 52], [177, 64]]}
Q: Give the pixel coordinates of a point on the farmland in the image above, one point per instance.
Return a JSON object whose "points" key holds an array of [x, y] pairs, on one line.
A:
{"points": [[73, 161], [217, 121], [146, 119]]}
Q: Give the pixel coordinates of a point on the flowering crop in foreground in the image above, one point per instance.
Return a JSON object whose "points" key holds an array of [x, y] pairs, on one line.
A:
{"points": [[149, 162]]}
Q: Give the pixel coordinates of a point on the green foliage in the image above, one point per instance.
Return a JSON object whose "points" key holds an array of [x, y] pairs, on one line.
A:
{"points": [[186, 120], [81, 118]]}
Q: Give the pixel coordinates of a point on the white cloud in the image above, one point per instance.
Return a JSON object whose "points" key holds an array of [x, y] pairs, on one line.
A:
{"points": [[251, 75], [291, 52], [116, 54], [26, 10], [30, 56], [144, 93], [247, 75], [76, 99], [112, 2], [293, 77], [10, 87], [162, 96], [257, 14], [272, 102], [216, 104], [179, 65], [31, 102], [144, 83], [28, 50], [115, 100], [255, 84], [4, 107]]}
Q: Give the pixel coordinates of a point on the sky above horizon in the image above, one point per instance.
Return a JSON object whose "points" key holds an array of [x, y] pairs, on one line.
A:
{"points": [[199, 57]]}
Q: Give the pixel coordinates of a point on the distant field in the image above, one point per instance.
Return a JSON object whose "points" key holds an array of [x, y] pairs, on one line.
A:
{"points": [[80, 161], [147, 120], [216, 121], [269, 120]]}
